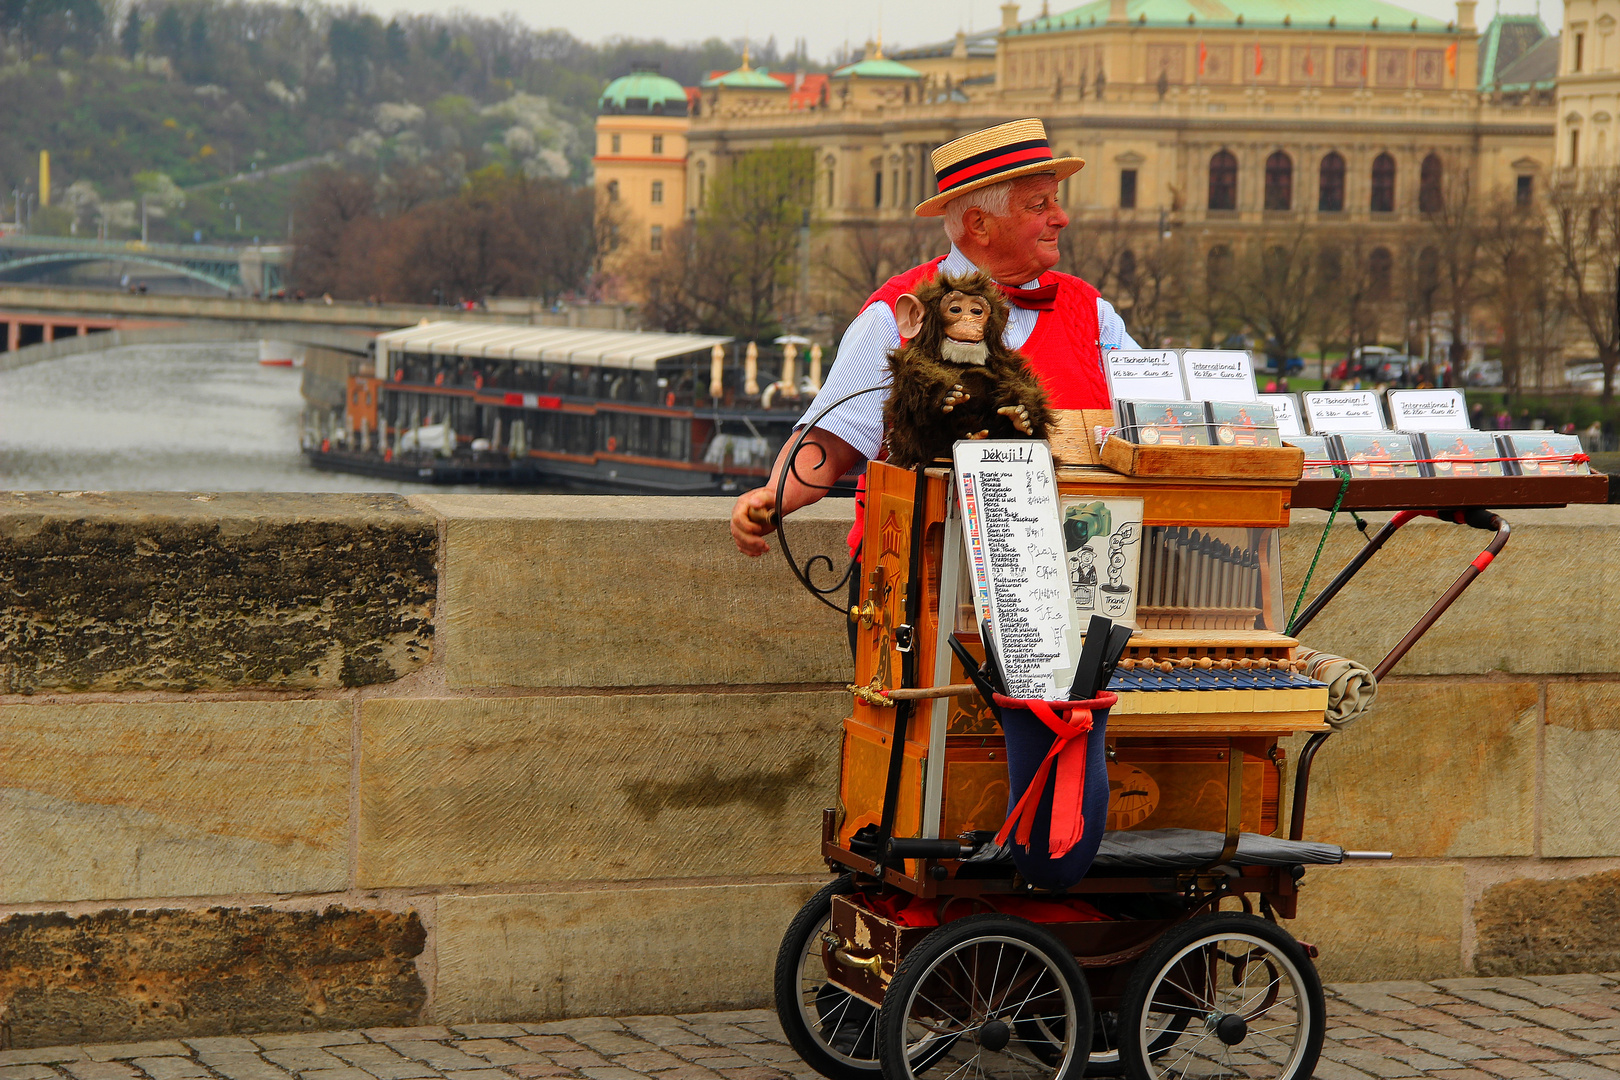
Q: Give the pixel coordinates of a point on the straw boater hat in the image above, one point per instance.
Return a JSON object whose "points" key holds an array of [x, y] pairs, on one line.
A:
{"points": [[1004, 152]]}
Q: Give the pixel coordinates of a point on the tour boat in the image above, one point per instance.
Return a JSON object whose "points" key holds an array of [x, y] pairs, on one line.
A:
{"points": [[605, 410]]}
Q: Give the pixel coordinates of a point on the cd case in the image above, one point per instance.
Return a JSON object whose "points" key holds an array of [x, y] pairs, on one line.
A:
{"points": [[1166, 423], [1543, 453], [1376, 454], [1318, 458], [1243, 423], [1460, 453]]}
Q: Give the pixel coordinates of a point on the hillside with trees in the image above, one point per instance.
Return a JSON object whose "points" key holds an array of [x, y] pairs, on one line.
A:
{"points": [[213, 113]]}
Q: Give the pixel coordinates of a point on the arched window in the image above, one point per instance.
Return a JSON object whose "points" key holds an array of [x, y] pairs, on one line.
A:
{"points": [[1383, 184], [613, 191], [1218, 266], [1127, 267], [1380, 269], [1279, 182], [1223, 181], [1431, 198], [1330, 184]]}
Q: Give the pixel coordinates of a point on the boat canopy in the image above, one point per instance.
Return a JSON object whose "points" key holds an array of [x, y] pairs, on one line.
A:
{"points": [[636, 350]]}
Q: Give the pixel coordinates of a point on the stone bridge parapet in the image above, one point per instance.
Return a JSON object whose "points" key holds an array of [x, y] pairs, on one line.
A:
{"points": [[281, 761]]}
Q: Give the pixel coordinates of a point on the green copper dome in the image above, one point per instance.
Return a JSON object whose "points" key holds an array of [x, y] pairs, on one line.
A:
{"points": [[880, 68], [644, 92], [746, 78]]}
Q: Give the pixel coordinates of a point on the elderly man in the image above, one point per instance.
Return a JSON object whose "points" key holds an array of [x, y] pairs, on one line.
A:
{"points": [[998, 195]]}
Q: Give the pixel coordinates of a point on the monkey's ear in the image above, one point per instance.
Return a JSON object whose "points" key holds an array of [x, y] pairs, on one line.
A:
{"points": [[909, 312]]}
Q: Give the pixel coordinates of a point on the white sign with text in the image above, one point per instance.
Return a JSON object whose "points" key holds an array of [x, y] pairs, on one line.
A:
{"points": [[1343, 410], [1285, 407], [1014, 536], [1217, 375], [1143, 375], [1428, 410]]}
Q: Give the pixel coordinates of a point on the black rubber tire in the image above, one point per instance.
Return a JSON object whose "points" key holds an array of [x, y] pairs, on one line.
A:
{"points": [[802, 1033], [1283, 957], [919, 964]]}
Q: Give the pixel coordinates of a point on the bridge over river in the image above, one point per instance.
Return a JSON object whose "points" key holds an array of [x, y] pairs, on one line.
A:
{"points": [[235, 271], [40, 323]]}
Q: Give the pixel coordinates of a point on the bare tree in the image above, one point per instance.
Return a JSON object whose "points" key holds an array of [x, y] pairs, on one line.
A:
{"points": [[1275, 289], [1207, 295], [1584, 222], [1523, 291], [859, 260], [733, 269], [1453, 222]]}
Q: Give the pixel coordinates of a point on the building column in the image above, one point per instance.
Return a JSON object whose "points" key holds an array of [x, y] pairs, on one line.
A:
{"points": [[13, 335]]}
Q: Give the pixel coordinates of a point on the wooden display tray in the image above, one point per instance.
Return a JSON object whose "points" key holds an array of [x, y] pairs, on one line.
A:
{"points": [[1204, 462], [1439, 493]]}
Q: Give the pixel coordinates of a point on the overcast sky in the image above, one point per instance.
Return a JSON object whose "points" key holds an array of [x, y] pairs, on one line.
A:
{"points": [[825, 24]]}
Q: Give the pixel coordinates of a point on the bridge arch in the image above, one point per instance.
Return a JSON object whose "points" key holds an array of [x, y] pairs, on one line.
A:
{"points": [[9, 269]]}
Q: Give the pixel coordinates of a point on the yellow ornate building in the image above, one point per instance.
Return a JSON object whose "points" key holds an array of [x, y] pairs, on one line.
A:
{"points": [[641, 167], [1215, 119], [1589, 84]]}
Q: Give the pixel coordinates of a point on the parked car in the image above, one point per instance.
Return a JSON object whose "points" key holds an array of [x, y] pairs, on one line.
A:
{"points": [[1484, 373], [1294, 365]]}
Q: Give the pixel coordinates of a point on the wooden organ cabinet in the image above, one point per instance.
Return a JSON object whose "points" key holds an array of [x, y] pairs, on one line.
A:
{"points": [[1206, 691]]}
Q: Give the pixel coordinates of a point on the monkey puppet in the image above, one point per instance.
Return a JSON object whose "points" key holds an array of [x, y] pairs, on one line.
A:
{"points": [[952, 377]]}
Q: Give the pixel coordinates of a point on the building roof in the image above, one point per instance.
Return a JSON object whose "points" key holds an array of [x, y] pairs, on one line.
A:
{"points": [[1506, 40], [981, 45], [1298, 14], [1537, 69], [640, 350], [805, 87], [745, 78], [644, 92], [877, 68]]}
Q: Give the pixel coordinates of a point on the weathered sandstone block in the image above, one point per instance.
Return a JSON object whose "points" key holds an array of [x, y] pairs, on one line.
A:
{"points": [[171, 591], [121, 800], [1435, 769], [533, 956], [116, 976], [1580, 810], [1532, 927], [617, 787], [621, 591], [1548, 604], [1383, 921]]}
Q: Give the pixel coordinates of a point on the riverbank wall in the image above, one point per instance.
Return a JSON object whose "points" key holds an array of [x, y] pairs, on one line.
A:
{"points": [[283, 761]]}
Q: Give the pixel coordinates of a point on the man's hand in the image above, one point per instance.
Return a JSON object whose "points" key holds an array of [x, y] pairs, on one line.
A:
{"points": [[752, 519]]}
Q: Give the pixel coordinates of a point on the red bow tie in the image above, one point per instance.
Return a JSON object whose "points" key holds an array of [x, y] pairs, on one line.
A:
{"points": [[1041, 298]]}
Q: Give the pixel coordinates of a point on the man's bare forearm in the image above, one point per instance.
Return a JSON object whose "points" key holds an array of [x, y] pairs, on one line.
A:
{"points": [[822, 460]]}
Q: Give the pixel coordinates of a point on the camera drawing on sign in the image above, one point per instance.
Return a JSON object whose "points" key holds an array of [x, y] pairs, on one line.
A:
{"points": [[1104, 534]]}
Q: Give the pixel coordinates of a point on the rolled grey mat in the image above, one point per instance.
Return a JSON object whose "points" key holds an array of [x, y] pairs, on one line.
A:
{"points": [[1351, 687], [1177, 849]]}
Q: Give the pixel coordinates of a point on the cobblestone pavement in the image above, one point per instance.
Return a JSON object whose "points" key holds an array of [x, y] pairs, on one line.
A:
{"points": [[1456, 1029]]}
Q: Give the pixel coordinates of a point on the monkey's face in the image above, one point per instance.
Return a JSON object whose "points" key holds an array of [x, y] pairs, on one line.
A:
{"points": [[964, 316]]}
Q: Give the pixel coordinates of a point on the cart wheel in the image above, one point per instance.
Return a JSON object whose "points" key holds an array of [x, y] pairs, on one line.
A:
{"points": [[1046, 1041], [834, 1032], [1225, 994], [990, 997]]}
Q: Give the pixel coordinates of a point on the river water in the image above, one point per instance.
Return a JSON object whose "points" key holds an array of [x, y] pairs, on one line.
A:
{"points": [[162, 418]]}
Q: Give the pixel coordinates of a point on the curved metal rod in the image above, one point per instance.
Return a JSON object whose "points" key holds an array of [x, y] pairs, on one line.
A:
{"points": [[804, 573], [1475, 517]]}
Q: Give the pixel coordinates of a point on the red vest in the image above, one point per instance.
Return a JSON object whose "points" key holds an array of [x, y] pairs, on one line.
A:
{"points": [[1063, 351]]}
